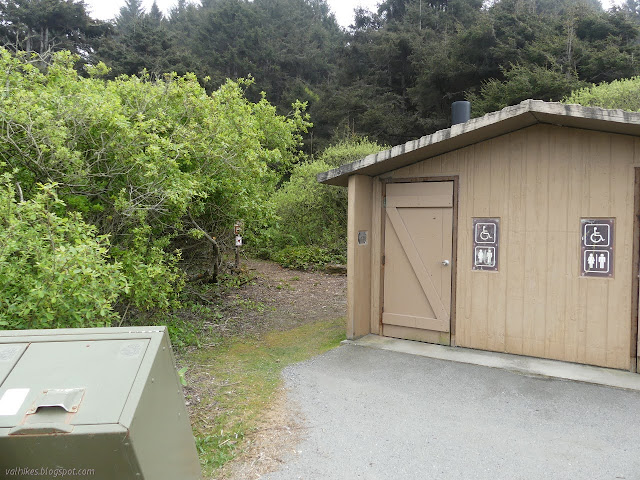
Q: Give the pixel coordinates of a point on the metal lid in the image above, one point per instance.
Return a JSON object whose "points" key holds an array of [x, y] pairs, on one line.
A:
{"points": [[80, 382]]}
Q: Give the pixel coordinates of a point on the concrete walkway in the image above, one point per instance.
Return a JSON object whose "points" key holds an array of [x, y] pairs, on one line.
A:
{"points": [[514, 363], [379, 413]]}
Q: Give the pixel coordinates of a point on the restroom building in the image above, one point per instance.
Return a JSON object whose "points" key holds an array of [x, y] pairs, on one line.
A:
{"points": [[515, 232]]}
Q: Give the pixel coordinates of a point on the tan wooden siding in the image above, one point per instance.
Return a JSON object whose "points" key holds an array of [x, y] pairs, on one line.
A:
{"points": [[377, 243], [359, 256], [539, 181]]}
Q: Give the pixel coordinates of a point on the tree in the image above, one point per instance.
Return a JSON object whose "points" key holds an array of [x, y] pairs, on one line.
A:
{"points": [[523, 82], [155, 14], [142, 42], [130, 14], [48, 25], [546, 51]]}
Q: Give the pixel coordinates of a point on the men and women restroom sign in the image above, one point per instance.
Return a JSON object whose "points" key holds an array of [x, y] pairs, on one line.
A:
{"points": [[486, 243], [596, 247], [596, 255]]}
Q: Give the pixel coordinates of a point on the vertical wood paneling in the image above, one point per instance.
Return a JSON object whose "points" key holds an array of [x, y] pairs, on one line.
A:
{"points": [[359, 257], [557, 245], [464, 308], [535, 264], [635, 327], [431, 169], [481, 172], [376, 256], [583, 210], [499, 205], [620, 301], [598, 161], [514, 244], [540, 181], [450, 163], [575, 304]]}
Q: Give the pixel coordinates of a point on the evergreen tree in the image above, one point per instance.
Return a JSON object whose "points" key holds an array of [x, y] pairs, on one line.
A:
{"points": [[43, 26], [141, 41], [155, 14], [130, 14]]}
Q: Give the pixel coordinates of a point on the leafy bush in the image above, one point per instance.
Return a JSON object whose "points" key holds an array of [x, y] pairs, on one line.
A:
{"points": [[310, 228], [54, 270], [623, 94], [310, 213], [146, 161], [307, 257], [349, 150], [153, 274]]}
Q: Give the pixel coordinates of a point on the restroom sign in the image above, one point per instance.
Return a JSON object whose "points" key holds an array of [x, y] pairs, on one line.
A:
{"points": [[596, 247], [486, 243]]}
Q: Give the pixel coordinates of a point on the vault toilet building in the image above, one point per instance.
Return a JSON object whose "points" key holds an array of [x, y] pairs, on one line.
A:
{"points": [[515, 232]]}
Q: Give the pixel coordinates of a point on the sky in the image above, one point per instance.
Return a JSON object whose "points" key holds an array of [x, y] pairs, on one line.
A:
{"points": [[108, 9], [343, 9]]}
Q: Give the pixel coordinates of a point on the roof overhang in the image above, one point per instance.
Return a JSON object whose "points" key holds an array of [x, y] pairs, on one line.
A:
{"points": [[507, 120]]}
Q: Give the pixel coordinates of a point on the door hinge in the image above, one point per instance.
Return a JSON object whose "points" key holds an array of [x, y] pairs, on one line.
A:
{"points": [[383, 259], [384, 202]]}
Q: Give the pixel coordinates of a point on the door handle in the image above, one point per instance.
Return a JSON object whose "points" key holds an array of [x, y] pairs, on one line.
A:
{"points": [[445, 263]]}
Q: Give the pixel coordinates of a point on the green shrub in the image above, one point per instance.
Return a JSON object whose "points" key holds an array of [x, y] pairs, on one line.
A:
{"points": [[349, 150], [153, 275], [310, 229], [521, 83], [310, 213], [53, 269], [145, 160], [623, 94], [307, 257]]}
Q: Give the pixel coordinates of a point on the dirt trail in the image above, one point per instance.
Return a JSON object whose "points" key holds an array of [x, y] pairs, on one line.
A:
{"points": [[278, 299]]}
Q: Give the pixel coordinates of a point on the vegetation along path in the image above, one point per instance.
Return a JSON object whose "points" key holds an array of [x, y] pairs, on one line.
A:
{"points": [[242, 423]]}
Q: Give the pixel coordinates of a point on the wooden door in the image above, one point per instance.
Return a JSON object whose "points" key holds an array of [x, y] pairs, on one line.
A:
{"points": [[418, 261]]}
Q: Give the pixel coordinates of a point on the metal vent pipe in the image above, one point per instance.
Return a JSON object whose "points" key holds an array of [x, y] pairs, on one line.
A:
{"points": [[460, 112]]}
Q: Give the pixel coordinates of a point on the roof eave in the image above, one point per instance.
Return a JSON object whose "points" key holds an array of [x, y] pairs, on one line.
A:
{"points": [[507, 120]]}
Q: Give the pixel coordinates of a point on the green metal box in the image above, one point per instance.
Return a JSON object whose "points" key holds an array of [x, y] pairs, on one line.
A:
{"points": [[100, 403]]}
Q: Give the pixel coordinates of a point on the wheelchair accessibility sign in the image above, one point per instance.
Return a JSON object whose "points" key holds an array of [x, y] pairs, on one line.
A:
{"points": [[597, 247], [486, 243], [486, 232], [597, 234]]}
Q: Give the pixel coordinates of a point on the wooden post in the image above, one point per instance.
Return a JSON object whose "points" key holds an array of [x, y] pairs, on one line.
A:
{"points": [[237, 230]]}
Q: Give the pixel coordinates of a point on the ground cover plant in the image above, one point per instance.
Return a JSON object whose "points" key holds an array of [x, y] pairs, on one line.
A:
{"points": [[277, 317], [239, 379]]}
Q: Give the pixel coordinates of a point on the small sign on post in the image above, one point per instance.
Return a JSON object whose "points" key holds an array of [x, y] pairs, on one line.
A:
{"points": [[486, 244], [596, 247], [237, 231]]}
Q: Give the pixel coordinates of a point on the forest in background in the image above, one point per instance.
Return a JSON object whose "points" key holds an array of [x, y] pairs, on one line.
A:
{"points": [[390, 77], [128, 149]]}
